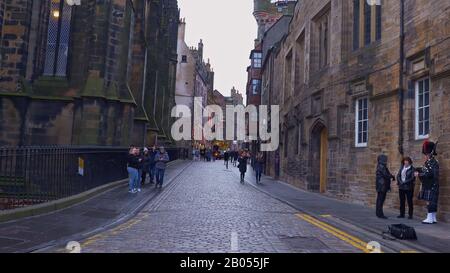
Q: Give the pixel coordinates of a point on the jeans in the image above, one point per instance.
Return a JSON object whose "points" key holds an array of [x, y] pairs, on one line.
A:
{"points": [[152, 173], [226, 163], [381, 197], [160, 176], [406, 196], [134, 178], [242, 177]]}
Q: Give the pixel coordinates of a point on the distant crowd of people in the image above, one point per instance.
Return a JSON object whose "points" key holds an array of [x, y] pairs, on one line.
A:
{"points": [[146, 161]]}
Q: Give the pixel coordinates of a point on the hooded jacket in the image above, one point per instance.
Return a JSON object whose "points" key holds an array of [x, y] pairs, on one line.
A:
{"points": [[383, 175]]}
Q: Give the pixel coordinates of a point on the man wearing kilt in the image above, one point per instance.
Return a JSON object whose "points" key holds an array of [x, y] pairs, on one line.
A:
{"points": [[429, 176]]}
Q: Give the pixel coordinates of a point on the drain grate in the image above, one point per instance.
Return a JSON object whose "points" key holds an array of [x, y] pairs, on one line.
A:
{"points": [[304, 243]]}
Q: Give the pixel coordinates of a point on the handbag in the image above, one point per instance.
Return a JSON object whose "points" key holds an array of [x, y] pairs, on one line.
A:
{"points": [[402, 232]]}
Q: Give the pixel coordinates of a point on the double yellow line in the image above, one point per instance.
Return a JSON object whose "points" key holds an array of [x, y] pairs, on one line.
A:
{"points": [[352, 240]]}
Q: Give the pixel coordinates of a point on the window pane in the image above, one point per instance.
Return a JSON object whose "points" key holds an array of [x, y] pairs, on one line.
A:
{"points": [[427, 99], [356, 24], [367, 23], [63, 52], [378, 30], [426, 128], [427, 85], [420, 101]]}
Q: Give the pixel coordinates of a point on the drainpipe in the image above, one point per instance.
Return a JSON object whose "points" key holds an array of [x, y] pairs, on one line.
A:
{"points": [[401, 78]]}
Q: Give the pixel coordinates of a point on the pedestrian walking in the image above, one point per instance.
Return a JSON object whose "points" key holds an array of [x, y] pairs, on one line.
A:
{"points": [[242, 166], [226, 157], [383, 184], [161, 159], [235, 157], [405, 182], [133, 162], [258, 166], [429, 176], [145, 165], [152, 163]]}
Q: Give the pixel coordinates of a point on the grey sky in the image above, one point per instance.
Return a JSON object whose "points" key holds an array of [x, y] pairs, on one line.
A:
{"points": [[228, 30]]}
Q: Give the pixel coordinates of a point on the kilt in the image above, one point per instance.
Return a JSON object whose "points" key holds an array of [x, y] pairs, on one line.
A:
{"points": [[429, 195]]}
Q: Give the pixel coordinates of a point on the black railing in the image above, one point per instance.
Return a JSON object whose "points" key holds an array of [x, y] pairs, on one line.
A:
{"points": [[33, 175]]}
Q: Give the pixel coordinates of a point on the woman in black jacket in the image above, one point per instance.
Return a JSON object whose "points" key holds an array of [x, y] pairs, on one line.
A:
{"points": [[383, 184], [405, 182], [243, 157]]}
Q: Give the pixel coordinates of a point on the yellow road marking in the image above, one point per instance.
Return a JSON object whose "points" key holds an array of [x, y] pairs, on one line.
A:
{"points": [[357, 243], [409, 251]]}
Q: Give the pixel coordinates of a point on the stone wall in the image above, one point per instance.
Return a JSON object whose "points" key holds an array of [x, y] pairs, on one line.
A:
{"points": [[327, 97]]}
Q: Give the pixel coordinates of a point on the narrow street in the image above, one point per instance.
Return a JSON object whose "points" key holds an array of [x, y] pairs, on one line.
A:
{"points": [[206, 209]]}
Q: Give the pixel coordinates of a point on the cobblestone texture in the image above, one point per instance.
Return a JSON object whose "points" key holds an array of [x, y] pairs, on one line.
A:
{"points": [[201, 210]]}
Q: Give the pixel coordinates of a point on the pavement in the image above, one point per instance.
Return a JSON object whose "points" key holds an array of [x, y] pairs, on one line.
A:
{"points": [[204, 209], [79, 221]]}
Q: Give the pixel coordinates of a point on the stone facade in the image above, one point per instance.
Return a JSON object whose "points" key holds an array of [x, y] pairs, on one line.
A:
{"points": [[81, 75], [349, 91]]}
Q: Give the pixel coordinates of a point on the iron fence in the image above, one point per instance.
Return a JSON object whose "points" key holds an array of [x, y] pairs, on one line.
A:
{"points": [[33, 175]]}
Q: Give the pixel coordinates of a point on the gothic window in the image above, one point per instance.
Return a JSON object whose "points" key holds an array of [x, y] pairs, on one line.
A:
{"points": [[321, 41], [288, 76], [184, 59], [367, 23], [422, 108], [361, 122], [130, 45], [58, 37], [300, 62]]}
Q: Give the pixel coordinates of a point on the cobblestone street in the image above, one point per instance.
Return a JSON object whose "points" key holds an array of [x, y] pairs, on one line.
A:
{"points": [[206, 209]]}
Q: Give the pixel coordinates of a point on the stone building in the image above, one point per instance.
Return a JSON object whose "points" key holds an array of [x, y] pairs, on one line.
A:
{"points": [[98, 73], [353, 81], [194, 78]]}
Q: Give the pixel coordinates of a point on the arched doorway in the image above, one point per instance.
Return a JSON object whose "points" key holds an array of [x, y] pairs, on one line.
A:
{"points": [[318, 158]]}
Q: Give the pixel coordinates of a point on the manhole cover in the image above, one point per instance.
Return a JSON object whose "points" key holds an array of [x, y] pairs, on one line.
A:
{"points": [[304, 243]]}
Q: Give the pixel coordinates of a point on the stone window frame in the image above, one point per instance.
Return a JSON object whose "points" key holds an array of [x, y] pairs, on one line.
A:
{"points": [[322, 40], [62, 11], [287, 84], [184, 59], [426, 133], [367, 23], [359, 128]]}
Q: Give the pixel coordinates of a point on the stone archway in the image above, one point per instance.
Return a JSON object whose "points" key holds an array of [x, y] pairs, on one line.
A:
{"points": [[318, 158]]}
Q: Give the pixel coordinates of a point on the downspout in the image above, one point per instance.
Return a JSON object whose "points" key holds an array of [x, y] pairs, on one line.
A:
{"points": [[401, 78]]}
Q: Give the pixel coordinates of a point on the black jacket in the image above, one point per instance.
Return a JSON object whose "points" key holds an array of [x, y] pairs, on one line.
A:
{"points": [[429, 174], [408, 185], [226, 156], [133, 161], [383, 175], [242, 164]]}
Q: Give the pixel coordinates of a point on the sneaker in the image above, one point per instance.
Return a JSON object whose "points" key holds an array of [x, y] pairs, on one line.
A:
{"points": [[130, 191], [138, 190]]}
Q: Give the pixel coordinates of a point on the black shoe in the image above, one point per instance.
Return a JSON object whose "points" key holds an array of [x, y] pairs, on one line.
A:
{"points": [[410, 217], [382, 217], [401, 216]]}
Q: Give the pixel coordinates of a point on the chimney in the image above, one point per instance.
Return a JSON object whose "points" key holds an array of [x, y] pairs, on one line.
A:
{"points": [[182, 29], [200, 49]]}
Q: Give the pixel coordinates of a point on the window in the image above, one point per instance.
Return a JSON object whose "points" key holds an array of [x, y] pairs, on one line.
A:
{"points": [[58, 34], [184, 59], [288, 76], [366, 23], [130, 46], [256, 87], [257, 60], [422, 108], [299, 63], [323, 28], [362, 122]]}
